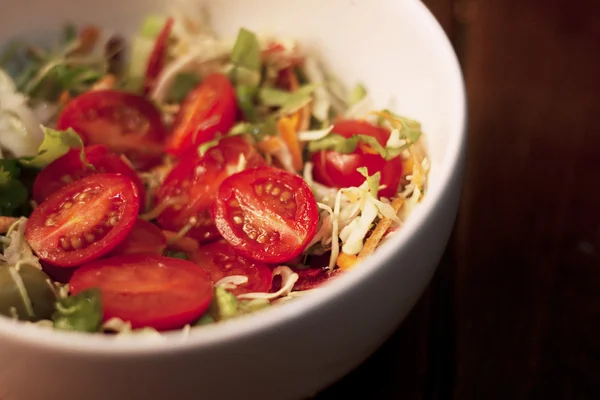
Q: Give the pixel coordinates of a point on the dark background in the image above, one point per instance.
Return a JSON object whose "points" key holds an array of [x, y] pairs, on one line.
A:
{"points": [[514, 309]]}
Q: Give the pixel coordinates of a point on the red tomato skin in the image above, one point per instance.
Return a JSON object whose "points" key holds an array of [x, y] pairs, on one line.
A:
{"points": [[201, 188], [147, 290], [109, 193], [219, 259], [310, 278], [127, 123], [209, 109], [156, 61], [144, 238], [70, 168], [300, 219], [339, 170]]}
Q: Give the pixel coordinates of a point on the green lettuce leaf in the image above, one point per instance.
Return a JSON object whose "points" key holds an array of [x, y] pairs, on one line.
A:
{"points": [[55, 145], [13, 194], [341, 144], [82, 312], [246, 51], [372, 180], [245, 98], [357, 94], [288, 102], [181, 86]]}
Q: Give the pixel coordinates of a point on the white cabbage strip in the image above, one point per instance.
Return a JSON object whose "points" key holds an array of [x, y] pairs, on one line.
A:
{"points": [[288, 280]]}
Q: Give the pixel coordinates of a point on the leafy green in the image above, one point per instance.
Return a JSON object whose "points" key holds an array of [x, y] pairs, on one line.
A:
{"points": [[182, 85], [409, 129], [246, 51], [372, 180], [288, 102], [13, 193], [82, 312], [267, 127], [69, 33], [225, 306], [357, 94], [177, 254], [245, 98], [206, 319], [152, 26], [55, 145]]}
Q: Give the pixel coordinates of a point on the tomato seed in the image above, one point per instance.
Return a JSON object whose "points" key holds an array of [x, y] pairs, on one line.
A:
{"points": [[285, 196], [76, 243], [89, 237], [112, 221], [66, 179], [258, 189], [268, 187], [50, 222], [275, 191], [67, 205], [64, 243], [237, 219]]}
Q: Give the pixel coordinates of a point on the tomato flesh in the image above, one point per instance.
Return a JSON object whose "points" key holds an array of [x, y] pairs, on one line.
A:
{"points": [[147, 290], [144, 238], [70, 168], [340, 170], [156, 61], [209, 109], [127, 123], [192, 185], [84, 220], [266, 214], [221, 260]]}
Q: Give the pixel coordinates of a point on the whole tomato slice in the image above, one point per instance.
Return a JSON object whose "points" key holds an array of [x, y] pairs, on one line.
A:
{"points": [[144, 238], [70, 168], [125, 122], [221, 260], [192, 186], [84, 220], [147, 290], [340, 170], [156, 61], [266, 214], [209, 109]]}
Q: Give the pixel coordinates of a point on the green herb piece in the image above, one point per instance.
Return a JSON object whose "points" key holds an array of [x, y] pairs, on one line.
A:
{"points": [[245, 98], [13, 193], [246, 51], [372, 180], [288, 102], [258, 130], [82, 312], [183, 84], [55, 145]]}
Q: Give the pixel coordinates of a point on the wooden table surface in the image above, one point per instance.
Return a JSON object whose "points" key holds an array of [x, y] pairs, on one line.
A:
{"points": [[514, 309]]}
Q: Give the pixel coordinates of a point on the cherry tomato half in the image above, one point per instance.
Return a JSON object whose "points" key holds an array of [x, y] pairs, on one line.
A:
{"points": [[144, 238], [125, 122], [147, 290], [192, 184], [156, 61], [209, 109], [84, 220], [70, 168], [340, 170], [266, 214], [221, 260]]}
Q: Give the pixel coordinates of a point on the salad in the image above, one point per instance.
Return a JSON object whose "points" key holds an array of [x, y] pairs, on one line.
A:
{"points": [[178, 179]]}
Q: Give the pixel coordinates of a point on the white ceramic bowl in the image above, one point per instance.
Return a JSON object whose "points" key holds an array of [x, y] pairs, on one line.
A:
{"points": [[398, 50]]}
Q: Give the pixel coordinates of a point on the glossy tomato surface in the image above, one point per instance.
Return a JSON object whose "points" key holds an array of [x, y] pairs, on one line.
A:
{"points": [[70, 168], [84, 220], [147, 290], [221, 260], [127, 123], [267, 214], [340, 170], [192, 186], [144, 238], [209, 109]]}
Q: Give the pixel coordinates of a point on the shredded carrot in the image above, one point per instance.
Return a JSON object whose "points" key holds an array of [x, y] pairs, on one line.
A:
{"points": [[346, 261], [380, 230], [64, 98], [6, 222], [407, 166], [107, 82], [270, 144], [287, 132]]}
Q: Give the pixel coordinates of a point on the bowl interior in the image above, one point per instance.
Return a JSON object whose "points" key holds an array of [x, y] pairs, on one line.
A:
{"points": [[394, 47]]}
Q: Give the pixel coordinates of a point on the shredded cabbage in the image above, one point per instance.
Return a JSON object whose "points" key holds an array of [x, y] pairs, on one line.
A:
{"points": [[288, 279]]}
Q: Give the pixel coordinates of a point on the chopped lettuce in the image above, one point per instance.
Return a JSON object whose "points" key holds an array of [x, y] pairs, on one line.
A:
{"points": [[357, 94], [341, 144], [246, 95], [55, 145], [13, 194], [82, 312], [372, 180], [183, 84], [246, 51], [267, 127], [288, 102]]}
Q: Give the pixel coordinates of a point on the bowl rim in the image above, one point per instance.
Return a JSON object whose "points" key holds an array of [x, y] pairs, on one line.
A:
{"points": [[246, 326]]}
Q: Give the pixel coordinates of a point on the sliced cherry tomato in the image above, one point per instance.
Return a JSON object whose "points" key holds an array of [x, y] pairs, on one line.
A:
{"points": [[209, 109], [70, 168], [340, 170], [84, 220], [147, 290], [221, 260], [266, 214], [125, 122], [192, 185], [156, 61], [144, 238]]}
